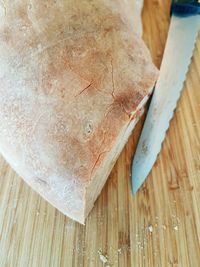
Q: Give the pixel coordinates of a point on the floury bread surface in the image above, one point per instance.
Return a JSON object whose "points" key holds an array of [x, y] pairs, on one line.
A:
{"points": [[74, 76]]}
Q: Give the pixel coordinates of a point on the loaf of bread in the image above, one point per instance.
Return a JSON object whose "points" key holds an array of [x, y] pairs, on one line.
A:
{"points": [[74, 77]]}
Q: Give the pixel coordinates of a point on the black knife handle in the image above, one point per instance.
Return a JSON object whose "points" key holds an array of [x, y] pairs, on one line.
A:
{"points": [[185, 8]]}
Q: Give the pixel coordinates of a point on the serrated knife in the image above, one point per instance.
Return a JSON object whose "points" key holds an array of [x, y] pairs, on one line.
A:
{"points": [[183, 32]]}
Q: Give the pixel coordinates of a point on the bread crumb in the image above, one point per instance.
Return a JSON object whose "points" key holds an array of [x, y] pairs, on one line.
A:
{"points": [[119, 250], [150, 228], [176, 228], [144, 148], [102, 257]]}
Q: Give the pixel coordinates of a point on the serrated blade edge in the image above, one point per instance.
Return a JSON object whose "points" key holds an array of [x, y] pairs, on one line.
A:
{"points": [[178, 53]]}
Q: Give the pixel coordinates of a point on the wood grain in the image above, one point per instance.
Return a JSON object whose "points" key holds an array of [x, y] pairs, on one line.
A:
{"points": [[159, 226]]}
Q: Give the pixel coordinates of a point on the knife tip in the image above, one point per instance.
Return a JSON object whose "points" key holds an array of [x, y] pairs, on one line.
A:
{"points": [[134, 188], [138, 177]]}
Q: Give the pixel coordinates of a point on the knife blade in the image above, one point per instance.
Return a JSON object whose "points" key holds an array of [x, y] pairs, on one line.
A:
{"points": [[177, 57]]}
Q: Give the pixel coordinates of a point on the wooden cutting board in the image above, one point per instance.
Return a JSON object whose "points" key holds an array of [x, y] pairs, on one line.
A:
{"points": [[159, 226]]}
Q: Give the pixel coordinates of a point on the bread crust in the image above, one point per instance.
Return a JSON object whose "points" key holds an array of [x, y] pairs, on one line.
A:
{"points": [[72, 75]]}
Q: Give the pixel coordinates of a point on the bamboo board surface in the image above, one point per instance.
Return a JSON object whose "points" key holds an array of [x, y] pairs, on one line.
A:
{"points": [[159, 226]]}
